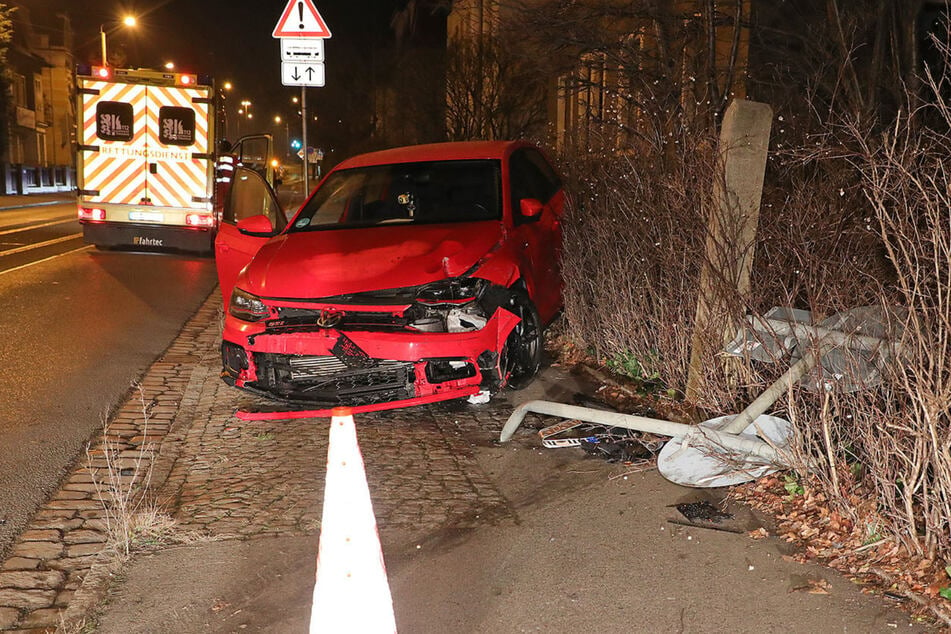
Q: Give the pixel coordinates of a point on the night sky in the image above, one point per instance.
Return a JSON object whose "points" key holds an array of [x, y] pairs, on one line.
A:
{"points": [[231, 40]]}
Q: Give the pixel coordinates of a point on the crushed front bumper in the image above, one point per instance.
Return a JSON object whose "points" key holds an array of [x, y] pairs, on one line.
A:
{"points": [[382, 369]]}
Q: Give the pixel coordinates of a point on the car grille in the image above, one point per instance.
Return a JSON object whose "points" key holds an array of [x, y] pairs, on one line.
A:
{"points": [[325, 379], [301, 319]]}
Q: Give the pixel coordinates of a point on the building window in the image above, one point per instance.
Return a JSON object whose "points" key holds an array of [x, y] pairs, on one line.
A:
{"points": [[19, 90]]}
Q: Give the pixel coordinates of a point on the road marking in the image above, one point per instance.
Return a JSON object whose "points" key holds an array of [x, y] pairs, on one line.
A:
{"points": [[39, 245], [40, 226], [52, 257]]}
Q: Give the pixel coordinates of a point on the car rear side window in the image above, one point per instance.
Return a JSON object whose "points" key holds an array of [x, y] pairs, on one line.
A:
{"points": [[532, 177]]}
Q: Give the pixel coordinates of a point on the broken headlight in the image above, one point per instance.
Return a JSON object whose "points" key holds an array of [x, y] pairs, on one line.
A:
{"points": [[450, 305], [246, 306]]}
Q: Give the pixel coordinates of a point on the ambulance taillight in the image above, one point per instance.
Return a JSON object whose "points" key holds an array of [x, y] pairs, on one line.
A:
{"points": [[92, 214], [199, 220]]}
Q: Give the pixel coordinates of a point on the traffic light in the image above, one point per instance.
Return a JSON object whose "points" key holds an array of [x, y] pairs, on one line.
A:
{"points": [[295, 144]]}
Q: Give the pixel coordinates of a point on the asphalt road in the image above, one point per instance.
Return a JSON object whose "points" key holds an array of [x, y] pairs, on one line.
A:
{"points": [[80, 326]]}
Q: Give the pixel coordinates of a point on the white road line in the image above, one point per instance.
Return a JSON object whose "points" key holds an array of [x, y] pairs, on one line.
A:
{"points": [[39, 245], [39, 226], [52, 257]]}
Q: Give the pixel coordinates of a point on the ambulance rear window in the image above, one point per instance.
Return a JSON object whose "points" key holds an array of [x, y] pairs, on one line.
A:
{"points": [[176, 125], [114, 121]]}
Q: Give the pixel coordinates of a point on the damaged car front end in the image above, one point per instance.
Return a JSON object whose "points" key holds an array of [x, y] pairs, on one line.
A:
{"points": [[448, 339]]}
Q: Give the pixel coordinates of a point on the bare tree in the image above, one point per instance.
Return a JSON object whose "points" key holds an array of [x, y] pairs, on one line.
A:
{"points": [[491, 93]]}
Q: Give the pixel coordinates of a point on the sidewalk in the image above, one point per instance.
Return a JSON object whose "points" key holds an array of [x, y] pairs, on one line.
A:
{"points": [[35, 200], [478, 537]]}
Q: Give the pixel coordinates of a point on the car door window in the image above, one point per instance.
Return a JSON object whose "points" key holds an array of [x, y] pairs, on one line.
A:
{"points": [[250, 196], [531, 177]]}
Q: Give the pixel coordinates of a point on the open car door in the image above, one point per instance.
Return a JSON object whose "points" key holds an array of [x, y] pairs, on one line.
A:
{"points": [[251, 216]]}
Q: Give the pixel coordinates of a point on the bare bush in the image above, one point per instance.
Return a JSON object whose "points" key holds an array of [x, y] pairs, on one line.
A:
{"points": [[633, 248], [122, 478], [908, 435]]}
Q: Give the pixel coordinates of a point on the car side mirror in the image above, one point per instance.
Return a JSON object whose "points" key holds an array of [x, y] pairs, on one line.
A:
{"points": [[258, 226], [531, 208]]}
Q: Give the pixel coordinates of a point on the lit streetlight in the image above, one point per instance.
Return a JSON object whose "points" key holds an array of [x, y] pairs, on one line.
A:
{"points": [[223, 105], [278, 120], [245, 112], [128, 21]]}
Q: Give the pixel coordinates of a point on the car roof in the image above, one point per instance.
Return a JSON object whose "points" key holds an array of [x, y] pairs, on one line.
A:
{"points": [[434, 152]]}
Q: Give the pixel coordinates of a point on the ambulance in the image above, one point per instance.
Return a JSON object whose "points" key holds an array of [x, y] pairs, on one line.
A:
{"points": [[145, 159]]}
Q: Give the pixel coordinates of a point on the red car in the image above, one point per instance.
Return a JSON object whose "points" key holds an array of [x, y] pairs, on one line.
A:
{"points": [[409, 276]]}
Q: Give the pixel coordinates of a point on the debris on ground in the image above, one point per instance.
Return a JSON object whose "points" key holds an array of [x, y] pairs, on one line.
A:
{"points": [[480, 398], [813, 586], [614, 444], [702, 510], [705, 514]]}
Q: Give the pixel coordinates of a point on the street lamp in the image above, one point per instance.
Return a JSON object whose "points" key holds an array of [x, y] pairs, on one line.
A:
{"points": [[245, 112], [278, 120], [128, 21], [223, 107]]}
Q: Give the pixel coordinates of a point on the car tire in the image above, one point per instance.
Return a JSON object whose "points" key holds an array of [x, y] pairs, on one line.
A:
{"points": [[521, 356]]}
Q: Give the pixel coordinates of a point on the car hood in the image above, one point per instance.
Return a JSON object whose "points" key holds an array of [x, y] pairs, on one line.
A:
{"points": [[336, 262]]}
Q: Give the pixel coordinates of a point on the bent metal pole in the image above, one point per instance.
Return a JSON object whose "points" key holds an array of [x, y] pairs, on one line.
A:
{"points": [[639, 423]]}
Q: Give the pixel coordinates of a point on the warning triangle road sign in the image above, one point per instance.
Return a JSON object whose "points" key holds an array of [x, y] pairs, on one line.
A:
{"points": [[301, 19]]}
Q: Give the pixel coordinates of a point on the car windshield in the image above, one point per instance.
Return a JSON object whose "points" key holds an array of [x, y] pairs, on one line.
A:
{"points": [[404, 193]]}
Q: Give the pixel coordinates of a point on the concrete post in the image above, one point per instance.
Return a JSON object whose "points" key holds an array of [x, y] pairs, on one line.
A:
{"points": [[731, 234]]}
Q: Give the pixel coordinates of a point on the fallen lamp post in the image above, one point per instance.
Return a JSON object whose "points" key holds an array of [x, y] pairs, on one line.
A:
{"points": [[848, 347]]}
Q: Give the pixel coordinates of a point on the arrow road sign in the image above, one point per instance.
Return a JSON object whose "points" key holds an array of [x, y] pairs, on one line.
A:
{"points": [[293, 74], [302, 50]]}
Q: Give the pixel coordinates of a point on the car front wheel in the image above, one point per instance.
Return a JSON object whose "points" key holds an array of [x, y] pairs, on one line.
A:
{"points": [[521, 355]]}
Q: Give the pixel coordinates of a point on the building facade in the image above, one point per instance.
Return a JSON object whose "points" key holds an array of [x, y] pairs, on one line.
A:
{"points": [[604, 64], [39, 132]]}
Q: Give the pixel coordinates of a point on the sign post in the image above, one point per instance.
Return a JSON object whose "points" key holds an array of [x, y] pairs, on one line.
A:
{"points": [[302, 31]]}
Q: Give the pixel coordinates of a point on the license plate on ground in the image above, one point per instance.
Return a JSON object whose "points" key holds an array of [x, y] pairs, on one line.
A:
{"points": [[146, 216]]}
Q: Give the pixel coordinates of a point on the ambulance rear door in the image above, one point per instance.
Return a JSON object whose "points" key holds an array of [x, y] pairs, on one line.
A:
{"points": [[179, 171], [113, 142]]}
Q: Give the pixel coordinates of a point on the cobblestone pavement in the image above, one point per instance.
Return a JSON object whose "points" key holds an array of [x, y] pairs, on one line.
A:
{"points": [[220, 477]]}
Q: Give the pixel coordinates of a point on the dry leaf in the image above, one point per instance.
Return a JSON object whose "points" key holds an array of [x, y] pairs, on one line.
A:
{"points": [[819, 586], [759, 533], [219, 605]]}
